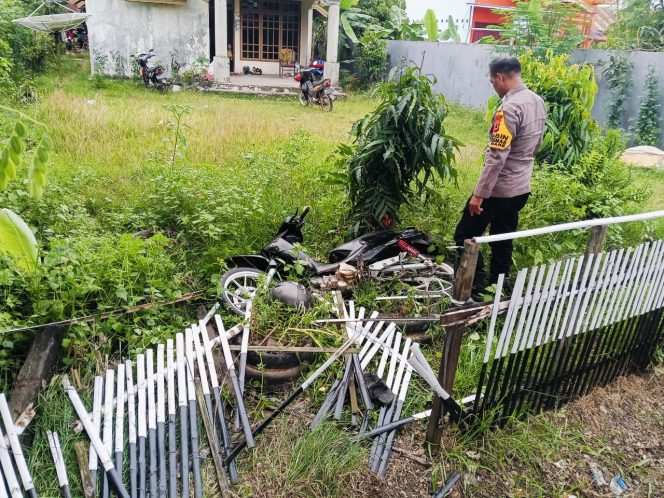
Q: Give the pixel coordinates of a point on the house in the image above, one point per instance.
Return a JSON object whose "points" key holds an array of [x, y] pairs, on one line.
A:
{"points": [[188, 31]]}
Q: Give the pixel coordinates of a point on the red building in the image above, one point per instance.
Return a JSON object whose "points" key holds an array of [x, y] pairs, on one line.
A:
{"points": [[484, 21], [482, 16]]}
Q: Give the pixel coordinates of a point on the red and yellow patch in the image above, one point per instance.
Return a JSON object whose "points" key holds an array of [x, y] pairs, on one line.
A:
{"points": [[501, 137]]}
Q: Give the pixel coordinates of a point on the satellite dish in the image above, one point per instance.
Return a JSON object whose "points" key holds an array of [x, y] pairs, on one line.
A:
{"points": [[52, 23]]}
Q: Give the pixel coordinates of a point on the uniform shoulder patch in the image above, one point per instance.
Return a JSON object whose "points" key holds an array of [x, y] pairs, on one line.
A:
{"points": [[501, 136]]}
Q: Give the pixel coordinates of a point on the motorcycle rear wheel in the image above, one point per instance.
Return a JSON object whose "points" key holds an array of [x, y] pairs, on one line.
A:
{"points": [[239, 286], [326, 103]]}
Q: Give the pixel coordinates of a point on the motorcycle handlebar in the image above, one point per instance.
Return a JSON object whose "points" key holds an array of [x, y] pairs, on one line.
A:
{"points": [[305, 211]]}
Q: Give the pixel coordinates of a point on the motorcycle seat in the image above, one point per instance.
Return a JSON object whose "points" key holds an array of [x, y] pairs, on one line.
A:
{"points": [[318, 82]]}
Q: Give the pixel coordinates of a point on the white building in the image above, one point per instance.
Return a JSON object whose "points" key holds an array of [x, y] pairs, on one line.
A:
{"points": [[255, 30]]}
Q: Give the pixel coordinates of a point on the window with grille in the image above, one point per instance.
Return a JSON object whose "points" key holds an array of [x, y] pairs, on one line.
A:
{"points": [[269, 27]]}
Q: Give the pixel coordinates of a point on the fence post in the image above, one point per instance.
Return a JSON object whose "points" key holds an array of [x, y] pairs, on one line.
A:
{"points": [[596, 239], [463, 284]]}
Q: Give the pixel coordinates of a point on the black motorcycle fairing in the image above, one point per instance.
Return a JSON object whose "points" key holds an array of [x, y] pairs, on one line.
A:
{"points": [[291, 230], [285, 251], [379, 245], [249, 261]]}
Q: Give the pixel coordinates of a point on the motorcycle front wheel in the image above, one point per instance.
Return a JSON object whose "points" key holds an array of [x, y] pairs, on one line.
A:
{"points": [[326, 103], [239, 286], [303, 99]]}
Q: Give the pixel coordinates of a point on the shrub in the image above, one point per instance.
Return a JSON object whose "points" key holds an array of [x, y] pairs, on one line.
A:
{"points": [[648, 125], [619, 80], [569, 92], [372, 58], [398, 149]]}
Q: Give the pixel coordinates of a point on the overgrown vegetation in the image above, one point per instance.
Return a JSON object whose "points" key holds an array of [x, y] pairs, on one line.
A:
{"points": [[23, 52]]}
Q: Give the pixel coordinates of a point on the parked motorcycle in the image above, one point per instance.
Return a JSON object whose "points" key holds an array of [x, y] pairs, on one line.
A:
{"points": [[154, 76], [383, 254], [314, 89]]}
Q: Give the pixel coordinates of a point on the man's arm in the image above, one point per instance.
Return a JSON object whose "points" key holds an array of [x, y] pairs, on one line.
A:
{"points": [[505, 128]]}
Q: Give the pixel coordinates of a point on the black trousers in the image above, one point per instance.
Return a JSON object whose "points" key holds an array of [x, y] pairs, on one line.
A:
{"points": [[501, 215]]}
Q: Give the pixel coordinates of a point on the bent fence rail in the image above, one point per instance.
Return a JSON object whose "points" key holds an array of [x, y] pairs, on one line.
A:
{"points": [[571, 325]]}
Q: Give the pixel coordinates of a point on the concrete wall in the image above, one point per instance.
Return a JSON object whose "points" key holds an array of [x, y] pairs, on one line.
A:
{"points": [[133, 27], [462, 73]]}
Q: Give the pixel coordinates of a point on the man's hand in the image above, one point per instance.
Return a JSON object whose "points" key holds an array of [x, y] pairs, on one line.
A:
{"points": [[475, 205]]}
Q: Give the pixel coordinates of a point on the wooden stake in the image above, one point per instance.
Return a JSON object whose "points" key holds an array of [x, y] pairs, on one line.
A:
{"points": [[86, 477], [463, 285]]}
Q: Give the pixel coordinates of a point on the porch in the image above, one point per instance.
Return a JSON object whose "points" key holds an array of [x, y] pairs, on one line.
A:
{"points": [[256, 33], [266, 84]]}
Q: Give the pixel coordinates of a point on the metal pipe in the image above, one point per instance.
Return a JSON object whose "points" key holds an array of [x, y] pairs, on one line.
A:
{"points": [[114, 478], [237, 388], [8, 469], [152, 422], [97, 397], [193, 426], [59, 461], [161, 424], [131, 423], [243, 358], [172, 448], [568, 226], [17, 451], [142, 425], [214, 382], [184, 414], [119, 419], [108, 424]]}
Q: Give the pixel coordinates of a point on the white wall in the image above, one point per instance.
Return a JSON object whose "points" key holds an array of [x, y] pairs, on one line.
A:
{"points": [[133, 27]]}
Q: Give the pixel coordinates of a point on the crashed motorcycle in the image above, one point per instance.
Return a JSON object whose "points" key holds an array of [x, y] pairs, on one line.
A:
{"points": [[154, 76], [314, 89], [405, 255]]}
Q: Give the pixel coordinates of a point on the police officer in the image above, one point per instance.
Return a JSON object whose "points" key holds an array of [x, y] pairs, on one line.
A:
{"points": [[504, 184]]}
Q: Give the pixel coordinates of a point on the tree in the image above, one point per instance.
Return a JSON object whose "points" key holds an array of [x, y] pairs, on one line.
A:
{"points": [[538, 26], [398, 149], [380, 9], [639, 26], [569, 92]]}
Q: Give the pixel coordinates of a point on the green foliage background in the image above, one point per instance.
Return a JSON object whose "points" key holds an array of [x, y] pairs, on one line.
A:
{"points": [[648, 125], [23, 52], [569, 91]]}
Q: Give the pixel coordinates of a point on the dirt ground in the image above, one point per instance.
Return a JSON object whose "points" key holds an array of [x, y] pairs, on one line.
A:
{"points": [[619, 427]]}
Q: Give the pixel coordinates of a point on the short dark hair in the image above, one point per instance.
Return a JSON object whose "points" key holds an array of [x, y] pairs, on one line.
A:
{"points": [[505, 65]]}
